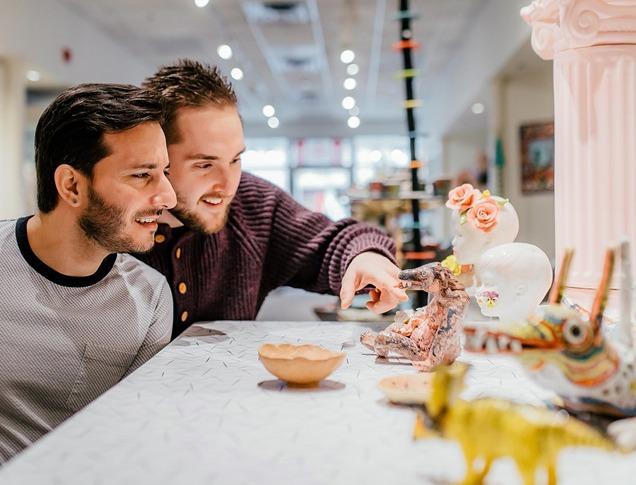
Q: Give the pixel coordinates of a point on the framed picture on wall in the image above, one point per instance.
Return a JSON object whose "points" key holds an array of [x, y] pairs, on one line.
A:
{"points": [[537, 157]]}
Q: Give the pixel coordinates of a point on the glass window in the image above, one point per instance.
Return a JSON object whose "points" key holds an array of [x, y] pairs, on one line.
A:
{"points": [[268, 158], [321, 190], [379, 157], [321, 152]]}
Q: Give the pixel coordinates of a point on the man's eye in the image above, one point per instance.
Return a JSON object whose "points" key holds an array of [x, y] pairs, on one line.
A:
{"points": [[141, 175], [204, 165], [236, 160], [166, 172]]}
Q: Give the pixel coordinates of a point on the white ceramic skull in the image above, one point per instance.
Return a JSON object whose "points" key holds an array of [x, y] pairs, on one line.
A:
{"points": [[470, 242], [514, 278]]}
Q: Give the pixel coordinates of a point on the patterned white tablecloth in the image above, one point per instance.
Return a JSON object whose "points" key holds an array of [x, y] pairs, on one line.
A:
{"points": [[204, 411]]}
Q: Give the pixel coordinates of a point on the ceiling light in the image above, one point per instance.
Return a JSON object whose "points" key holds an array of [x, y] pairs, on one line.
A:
{"points": [[352, 69], [398, 156], [376, 156], [201, 3], [273, 122], [224, 51], [347, 56], [478, 108], [349, 83], [353, 122], [33, 75], [268, 110], [348, 102], [236, 73]]}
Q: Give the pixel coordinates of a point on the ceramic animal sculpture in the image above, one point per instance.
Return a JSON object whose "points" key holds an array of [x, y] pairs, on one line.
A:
{"points": [[487, 429], [430, 335], [566, 350]]}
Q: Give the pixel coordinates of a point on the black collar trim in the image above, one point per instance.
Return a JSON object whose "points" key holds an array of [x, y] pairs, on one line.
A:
{"points": [[48, 272]]}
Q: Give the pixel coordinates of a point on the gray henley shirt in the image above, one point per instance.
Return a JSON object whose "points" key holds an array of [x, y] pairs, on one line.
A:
{"points": [[66, 340]]}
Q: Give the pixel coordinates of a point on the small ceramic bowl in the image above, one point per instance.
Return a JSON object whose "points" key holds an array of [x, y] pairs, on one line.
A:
{"points": [[406, 388], [304, 365]]}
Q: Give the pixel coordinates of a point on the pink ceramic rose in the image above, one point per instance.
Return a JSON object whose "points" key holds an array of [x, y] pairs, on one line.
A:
{"points": [[483, 215], [462, 197]]}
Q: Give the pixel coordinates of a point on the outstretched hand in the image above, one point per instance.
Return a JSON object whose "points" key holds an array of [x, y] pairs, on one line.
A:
{"points": [[373, 269]]}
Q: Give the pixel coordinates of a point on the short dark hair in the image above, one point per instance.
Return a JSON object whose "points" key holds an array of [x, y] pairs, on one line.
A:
{"points": [[188, 83], [72, 127]]}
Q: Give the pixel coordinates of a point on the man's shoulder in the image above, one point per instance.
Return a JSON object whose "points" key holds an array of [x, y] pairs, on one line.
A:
{"points": [[7, 233], [131, 267], [7, 226], [253, 185], [258, 197]]}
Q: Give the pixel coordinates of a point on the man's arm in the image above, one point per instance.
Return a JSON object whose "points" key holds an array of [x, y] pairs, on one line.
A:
{"points": [[309, 251], [159, 331]]}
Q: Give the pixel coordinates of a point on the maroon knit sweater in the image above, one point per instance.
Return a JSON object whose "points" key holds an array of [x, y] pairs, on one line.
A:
{"points": [[269, 241]]}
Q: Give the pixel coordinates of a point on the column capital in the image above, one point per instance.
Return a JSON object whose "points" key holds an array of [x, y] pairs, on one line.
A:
{"points": [[559, 25]]}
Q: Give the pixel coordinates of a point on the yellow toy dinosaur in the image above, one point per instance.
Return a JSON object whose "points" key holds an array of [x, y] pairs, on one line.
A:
{"points": [[487, 429]]}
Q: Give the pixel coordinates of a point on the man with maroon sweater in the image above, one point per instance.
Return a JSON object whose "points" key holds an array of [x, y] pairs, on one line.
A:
{"points": [[233, 237]]}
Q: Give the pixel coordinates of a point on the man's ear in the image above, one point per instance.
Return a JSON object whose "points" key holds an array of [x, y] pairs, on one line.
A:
{"points": [[70, 184]]}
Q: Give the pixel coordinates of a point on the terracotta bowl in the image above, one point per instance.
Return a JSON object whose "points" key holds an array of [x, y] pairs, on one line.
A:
{"points": [[406, 388], [304, 365]]}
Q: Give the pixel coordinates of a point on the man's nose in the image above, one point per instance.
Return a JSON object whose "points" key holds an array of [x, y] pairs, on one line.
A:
{"points": [[221, 178], [165, 196]]}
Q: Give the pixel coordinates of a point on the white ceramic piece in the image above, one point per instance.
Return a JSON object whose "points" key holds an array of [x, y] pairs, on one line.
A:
{"points": [[514, 279], [470, 242]]}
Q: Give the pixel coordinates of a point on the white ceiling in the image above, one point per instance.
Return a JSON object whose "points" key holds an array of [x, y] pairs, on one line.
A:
{"points": [[292, 59], [524, 62]]}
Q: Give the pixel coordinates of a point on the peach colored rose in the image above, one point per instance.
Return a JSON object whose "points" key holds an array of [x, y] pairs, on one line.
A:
{"points": [[462, 197], [483, 215]]}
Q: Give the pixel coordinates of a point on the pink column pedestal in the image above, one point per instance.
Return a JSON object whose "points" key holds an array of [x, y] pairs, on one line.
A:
{"points": [[593, 44]]}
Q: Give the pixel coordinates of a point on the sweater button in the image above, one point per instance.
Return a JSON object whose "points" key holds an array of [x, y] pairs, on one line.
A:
{"points": [[182, 288], [184, 316], [178, 253], [160, 238]]}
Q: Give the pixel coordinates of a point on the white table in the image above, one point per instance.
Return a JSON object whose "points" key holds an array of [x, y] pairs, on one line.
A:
{"points": [[204, 411]]}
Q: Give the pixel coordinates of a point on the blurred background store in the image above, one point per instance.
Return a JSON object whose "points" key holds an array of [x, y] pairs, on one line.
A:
{"points": [[322, 100]]}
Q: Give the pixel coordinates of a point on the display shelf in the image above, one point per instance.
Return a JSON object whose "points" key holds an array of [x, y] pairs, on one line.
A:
{"points": [[386, 211], [432, 200]]}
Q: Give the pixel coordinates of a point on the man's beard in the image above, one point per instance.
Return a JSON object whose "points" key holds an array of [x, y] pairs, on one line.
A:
{"points": [[104, 224], [196, 223]]}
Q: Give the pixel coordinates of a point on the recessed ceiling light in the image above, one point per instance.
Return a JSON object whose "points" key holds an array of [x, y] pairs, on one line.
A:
{"points": [[347, 56], [398, 156], [273, 122], [353, 122], [349, 83], [33, 75], [352, 69], [268, 110], [478, 108], [224, 51], [348, 102], [201, 3], [236, 73]]}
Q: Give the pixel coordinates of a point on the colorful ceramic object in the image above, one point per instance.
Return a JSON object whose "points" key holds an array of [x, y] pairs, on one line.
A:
{"points": [[303, 365], [406, 388], [488, 429], [428, 336], [481, 221], [567, 350]]}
